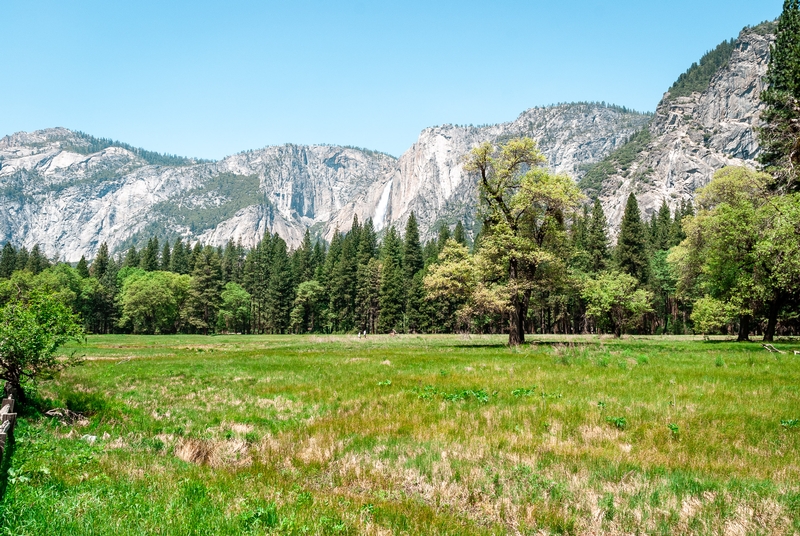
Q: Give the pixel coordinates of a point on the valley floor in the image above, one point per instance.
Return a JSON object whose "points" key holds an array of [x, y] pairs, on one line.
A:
{"points": [[411, 435]]}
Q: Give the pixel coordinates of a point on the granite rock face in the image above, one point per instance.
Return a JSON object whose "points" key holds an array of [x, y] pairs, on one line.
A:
{"points": [[57, 190], [694, 136]]}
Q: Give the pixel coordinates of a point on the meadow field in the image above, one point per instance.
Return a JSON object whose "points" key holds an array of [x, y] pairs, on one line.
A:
{"points": [[411, 434]]}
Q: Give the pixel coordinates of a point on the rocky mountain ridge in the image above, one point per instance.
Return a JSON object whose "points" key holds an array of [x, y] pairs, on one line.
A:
{"points": [[69, 193], [691, 137]]}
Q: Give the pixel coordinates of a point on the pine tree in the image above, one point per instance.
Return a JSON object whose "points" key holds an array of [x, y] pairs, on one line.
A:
{"points": [[459, 234], [444, 236], [392, 296], [131, 258], [255, 278], [661, 240], [302, 259], [37, 262], [368, 295], [106, 310], [327, 274], [597, 239], [179, 263], [148, 260], [166, 258], [632, 257], [342, 284], [778, 138], [82, 268], [100, 262], [676, 234], [196, 251], [22, 258], [318, 260], [280, 288], [368, 244], [416, 316], [204, 291], [8, 261], [579, 231], [412, 249], [430, 252]]}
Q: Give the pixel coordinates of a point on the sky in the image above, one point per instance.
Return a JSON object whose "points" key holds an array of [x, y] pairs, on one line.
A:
{"points": [[209, 79]]}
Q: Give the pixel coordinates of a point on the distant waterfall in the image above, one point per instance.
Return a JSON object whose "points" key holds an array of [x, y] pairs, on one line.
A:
{"points": [[383, 204]]}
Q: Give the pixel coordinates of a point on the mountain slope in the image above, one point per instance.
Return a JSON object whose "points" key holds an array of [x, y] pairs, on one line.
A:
{"points": [[70, 192], [691, 136]]}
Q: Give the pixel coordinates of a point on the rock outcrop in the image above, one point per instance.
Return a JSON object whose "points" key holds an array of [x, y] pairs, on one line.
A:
{"points": [[693, 137]]}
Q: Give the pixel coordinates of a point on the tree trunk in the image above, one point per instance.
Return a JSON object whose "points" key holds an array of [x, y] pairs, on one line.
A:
{"points": [[13, 389], [516, 332], [744, 328], [772, 320]]}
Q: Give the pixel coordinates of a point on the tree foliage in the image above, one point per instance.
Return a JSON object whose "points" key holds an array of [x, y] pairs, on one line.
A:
{"points": [[779, 137], [32, 329]]}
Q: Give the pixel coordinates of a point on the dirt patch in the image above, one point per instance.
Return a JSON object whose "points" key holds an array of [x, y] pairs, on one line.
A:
{"points": [[229, 453]]}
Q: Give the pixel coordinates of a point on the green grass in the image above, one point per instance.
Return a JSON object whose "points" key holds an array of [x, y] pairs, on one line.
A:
{"points": [[412, 435]]}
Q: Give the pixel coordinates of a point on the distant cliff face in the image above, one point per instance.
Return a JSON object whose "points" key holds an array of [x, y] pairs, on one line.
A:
{"points": [[693, 137], [71, 202], [62, 190]]}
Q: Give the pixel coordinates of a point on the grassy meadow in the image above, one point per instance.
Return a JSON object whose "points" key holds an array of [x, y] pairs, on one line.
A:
{"points": [[237, 435]]}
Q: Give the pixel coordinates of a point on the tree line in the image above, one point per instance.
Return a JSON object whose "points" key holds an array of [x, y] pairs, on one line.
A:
{"points": [[360, 283]]}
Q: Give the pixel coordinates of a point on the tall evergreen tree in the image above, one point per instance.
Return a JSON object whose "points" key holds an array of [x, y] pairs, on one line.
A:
{"points": [[255, 277], [368, 244], [632, 257], [663, 228], [444, 236], [107, 312], [82, 268], [280, 288], [597, 239], [22, 258], [430, 252], [392, 298], [412, 249], [459, 234], [100, 262], [148, 260], [779, 135], [302, 259], [318, 260], [166, 258], [8, 261], [131, 258], [204, 291], [342, 284], [416, 313], [37, 262], [368, 295], [179, 261], [196, 251]]}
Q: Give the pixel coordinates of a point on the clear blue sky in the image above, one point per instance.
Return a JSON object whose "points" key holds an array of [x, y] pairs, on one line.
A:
{"points": [[209, 79]]}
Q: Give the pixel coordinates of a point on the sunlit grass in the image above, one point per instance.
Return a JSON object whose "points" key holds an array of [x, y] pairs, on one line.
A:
{"points": [[407, 434]]}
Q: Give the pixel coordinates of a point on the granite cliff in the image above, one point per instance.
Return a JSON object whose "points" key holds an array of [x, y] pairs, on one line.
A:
{"points": [[691, 137], [70, 192]]}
